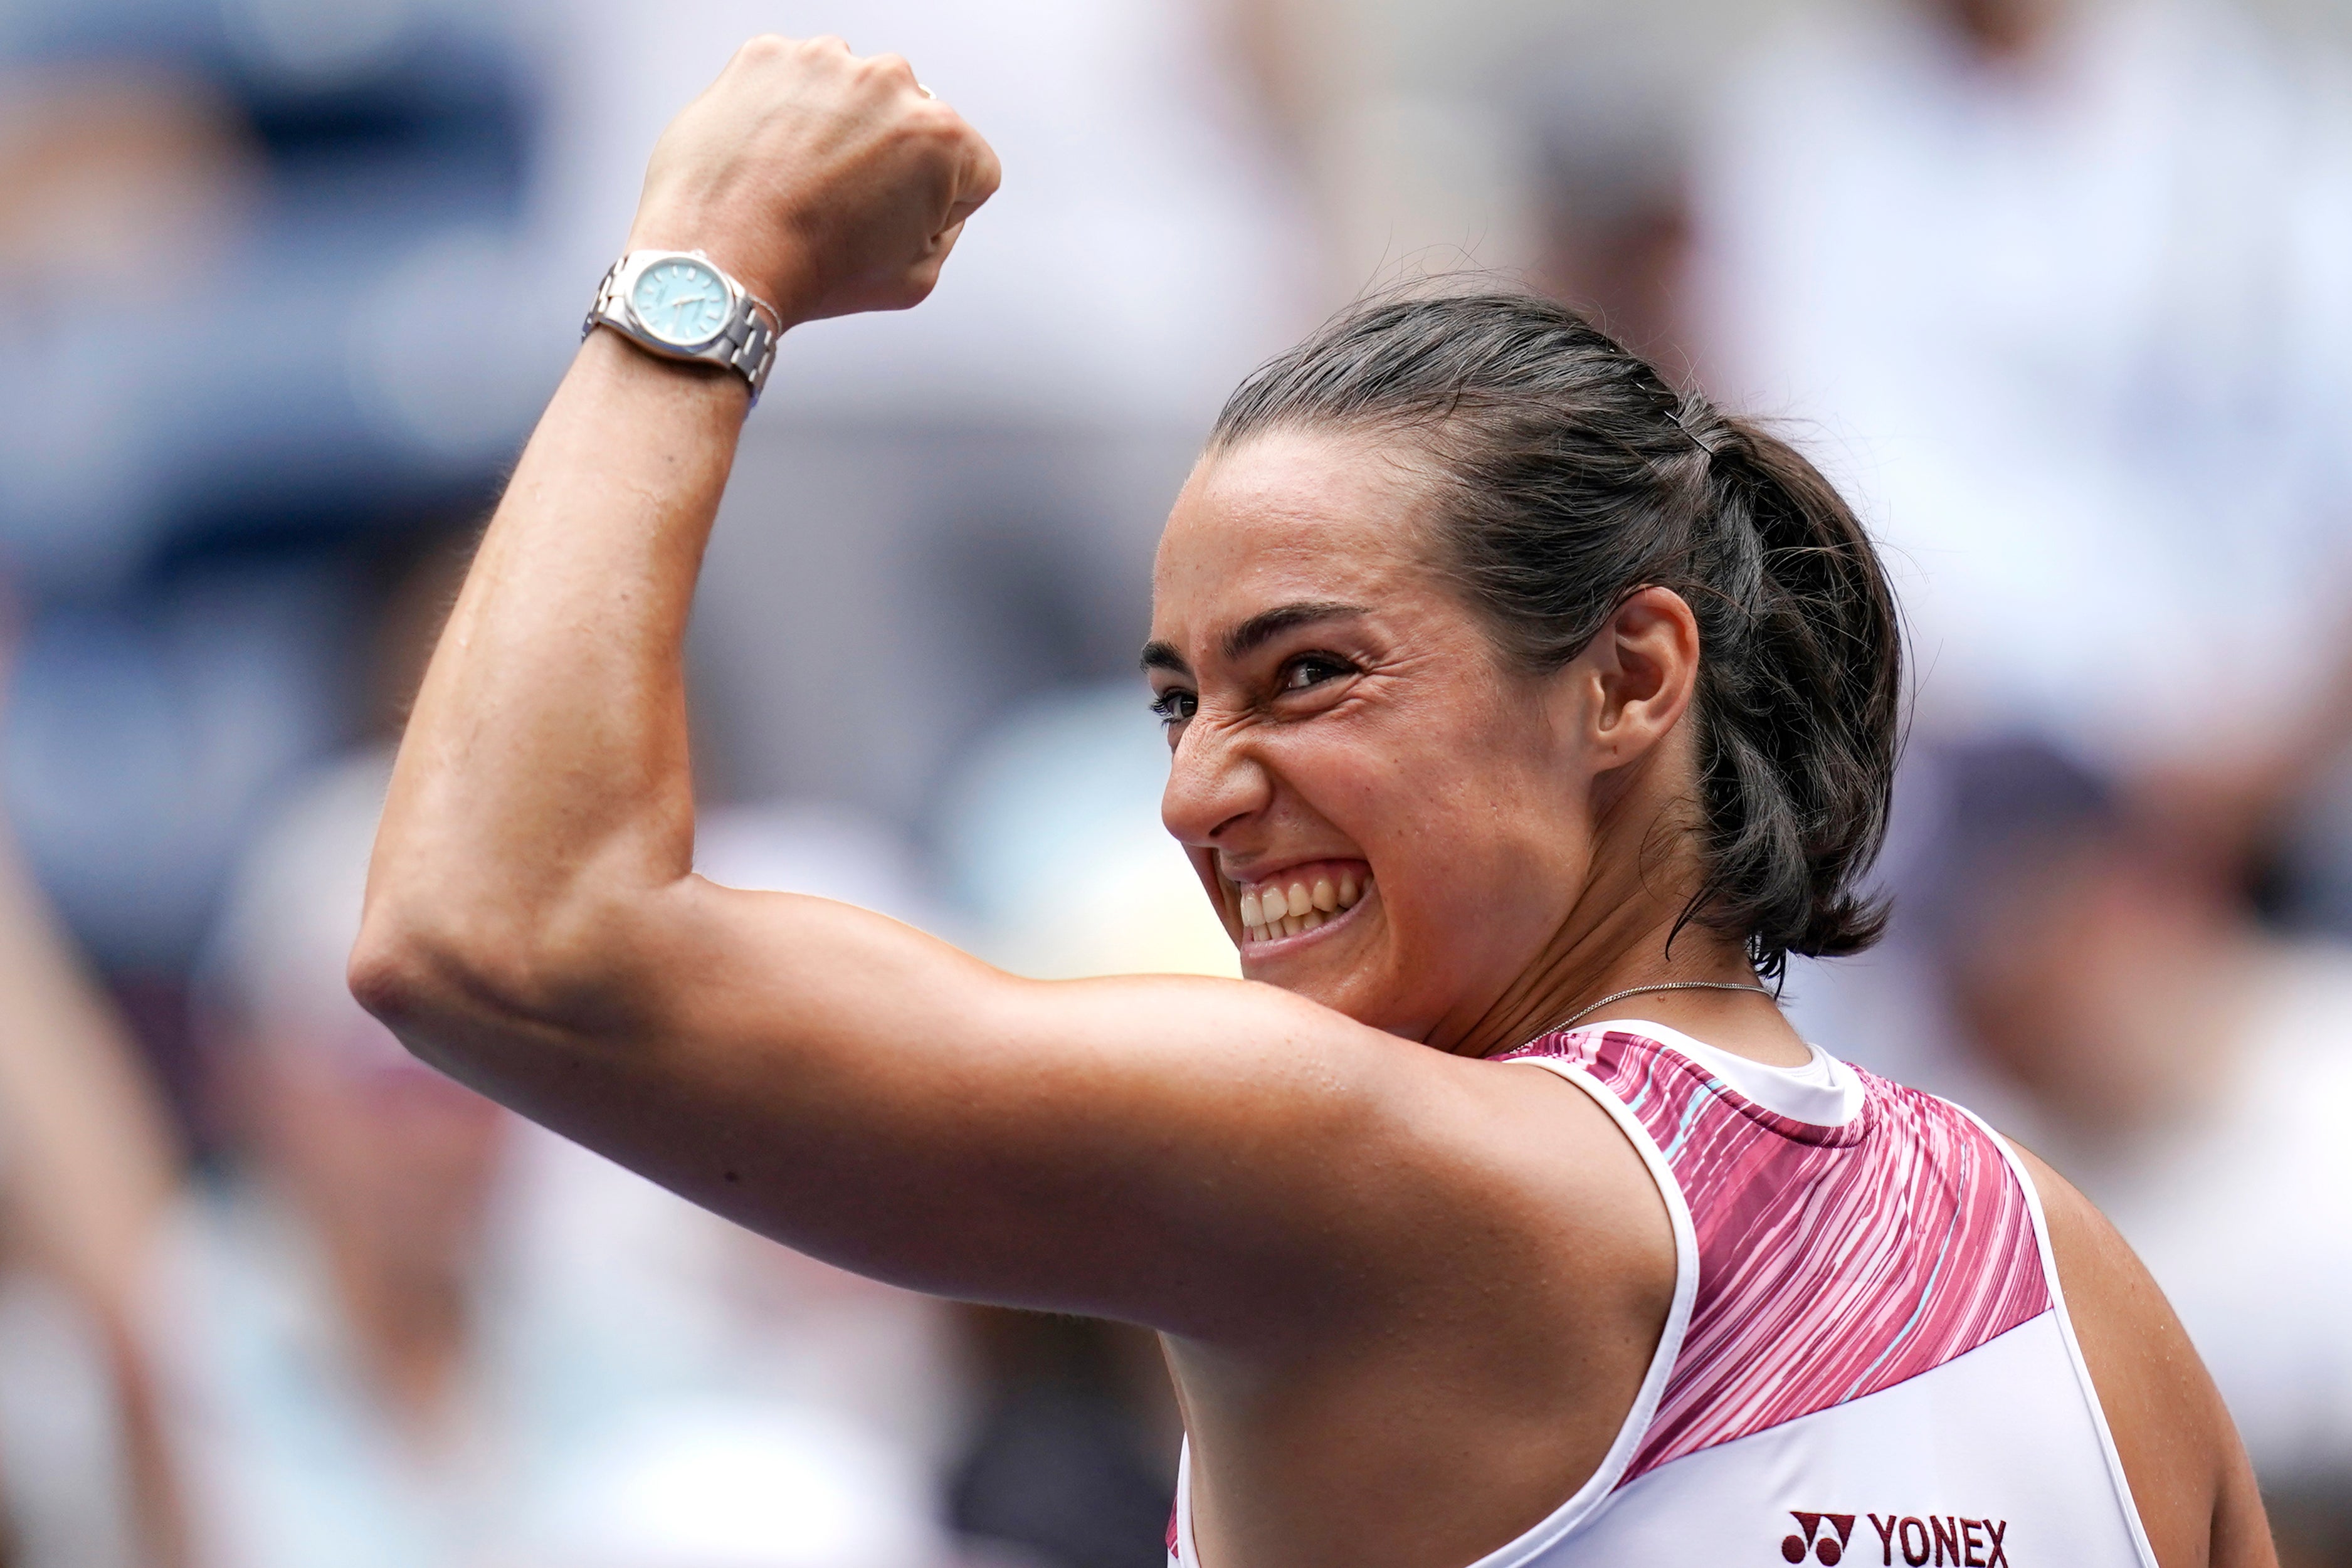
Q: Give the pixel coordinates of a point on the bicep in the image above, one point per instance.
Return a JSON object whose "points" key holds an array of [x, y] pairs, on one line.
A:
{"points": [[1172, 1150], [2179, 1446]]}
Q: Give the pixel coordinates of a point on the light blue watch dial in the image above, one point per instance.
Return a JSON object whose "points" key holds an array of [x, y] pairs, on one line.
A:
{"points": [[680, 300]]}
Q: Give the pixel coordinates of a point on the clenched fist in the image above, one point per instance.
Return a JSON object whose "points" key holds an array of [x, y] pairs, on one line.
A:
{"points": [[829, 182]]}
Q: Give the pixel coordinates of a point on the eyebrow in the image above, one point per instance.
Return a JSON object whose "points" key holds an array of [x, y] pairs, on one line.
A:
{"points": [[1254, 632]]}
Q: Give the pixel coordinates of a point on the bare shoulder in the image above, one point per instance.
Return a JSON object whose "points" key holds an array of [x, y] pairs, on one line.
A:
{"points": [[2180, 1448]]}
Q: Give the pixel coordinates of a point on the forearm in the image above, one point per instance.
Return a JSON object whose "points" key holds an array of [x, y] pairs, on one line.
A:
{"points": [[542, 788], [546, 757]]}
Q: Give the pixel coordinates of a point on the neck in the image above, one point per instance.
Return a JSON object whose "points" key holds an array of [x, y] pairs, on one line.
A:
{"points": [[1621, 934], [1572, 977]]}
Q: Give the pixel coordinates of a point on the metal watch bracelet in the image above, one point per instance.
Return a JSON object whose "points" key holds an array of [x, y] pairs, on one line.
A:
{"points": [[744, 343]]}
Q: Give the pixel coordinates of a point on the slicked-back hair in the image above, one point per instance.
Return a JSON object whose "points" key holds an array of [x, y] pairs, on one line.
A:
{"points": [[1573, 476]]}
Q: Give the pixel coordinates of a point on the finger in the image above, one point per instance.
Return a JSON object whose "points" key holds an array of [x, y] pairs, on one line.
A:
{"points": [[926, 267], [917, 282], [977, 180]]}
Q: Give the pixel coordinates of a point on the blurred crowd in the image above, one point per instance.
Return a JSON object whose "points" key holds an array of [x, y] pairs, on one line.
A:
{"points": [[2061, 290]]}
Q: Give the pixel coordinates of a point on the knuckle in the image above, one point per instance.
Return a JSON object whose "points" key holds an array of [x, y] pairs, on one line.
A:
{"points": [[935, 120], [763, 46]]}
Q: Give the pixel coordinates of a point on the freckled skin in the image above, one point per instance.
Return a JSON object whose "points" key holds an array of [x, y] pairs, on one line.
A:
{"points": [[1408, 1294]]}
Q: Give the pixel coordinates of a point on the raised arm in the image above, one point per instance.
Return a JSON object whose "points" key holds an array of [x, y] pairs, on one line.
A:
{"points": [[89, 1166], [1162, 1149]]}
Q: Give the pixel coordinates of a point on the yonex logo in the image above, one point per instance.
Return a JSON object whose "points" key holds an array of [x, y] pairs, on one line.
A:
{"points": [[1814, 1540], [1934, 1541], [1942, 1542]]}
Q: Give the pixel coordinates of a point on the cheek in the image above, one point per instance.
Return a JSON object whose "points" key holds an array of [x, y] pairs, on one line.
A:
{"points": [[1471, 824]]}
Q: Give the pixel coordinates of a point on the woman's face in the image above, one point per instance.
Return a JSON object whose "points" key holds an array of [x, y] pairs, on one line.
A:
{"points": [[1341, 723]]}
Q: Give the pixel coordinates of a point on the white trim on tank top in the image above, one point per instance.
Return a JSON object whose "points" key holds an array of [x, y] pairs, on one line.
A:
{"points": [[2089, 1390], [1824, 1092]]}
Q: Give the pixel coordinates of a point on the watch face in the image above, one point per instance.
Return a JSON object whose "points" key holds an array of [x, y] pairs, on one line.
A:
{"points": [[681, 300]]}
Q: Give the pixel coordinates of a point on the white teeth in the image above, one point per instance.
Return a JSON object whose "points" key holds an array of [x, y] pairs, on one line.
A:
{"points": [[1268, 914]]}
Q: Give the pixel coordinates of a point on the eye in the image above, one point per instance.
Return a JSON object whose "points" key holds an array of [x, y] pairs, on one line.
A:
{"points": [[1310, 670], [1175, 705]]}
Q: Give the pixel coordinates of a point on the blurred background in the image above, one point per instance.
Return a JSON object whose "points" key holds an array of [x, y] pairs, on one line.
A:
{"points": [[2060, 289]]}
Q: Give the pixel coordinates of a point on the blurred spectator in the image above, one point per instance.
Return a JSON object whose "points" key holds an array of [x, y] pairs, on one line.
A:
{"points": [[251, 181], [85, 1480], [400, 1327], [1611, 111], [1074, 1457], [723, 1486], [2191, 1073], [386, 1349], [213, 216], [347, 1383], [2060, 283], [2055, 286]]}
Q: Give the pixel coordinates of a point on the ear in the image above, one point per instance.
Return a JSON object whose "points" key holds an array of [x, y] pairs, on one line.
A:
{"points": [[1634, 682]]}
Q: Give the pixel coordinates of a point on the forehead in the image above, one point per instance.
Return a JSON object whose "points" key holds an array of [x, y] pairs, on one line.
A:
{"points": [[1291, 515]]}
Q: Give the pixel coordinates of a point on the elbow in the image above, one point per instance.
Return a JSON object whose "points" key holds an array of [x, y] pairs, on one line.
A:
{"points": [[388, 971], [413, 977], [437, 978], [432, 981]]}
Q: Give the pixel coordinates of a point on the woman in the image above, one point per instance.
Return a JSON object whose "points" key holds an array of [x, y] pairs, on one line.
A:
{"points": [[1501, 686]]}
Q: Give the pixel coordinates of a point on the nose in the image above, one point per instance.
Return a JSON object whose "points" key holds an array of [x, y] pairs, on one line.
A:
{"points": [[1213, 783]]}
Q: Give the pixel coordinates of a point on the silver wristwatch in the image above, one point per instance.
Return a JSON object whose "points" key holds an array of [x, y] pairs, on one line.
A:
{"points": [[680, 305]]}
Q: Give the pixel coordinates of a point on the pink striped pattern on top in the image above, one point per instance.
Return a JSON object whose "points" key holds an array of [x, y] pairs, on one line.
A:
{"points": [[1833, 1261]]}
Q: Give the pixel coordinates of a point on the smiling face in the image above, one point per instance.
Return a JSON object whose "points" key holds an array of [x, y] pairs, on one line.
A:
{"points": [[1338, 714]]}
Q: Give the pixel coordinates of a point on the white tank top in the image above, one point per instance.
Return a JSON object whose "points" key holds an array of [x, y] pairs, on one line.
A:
{"points": [[1868, 1360]]}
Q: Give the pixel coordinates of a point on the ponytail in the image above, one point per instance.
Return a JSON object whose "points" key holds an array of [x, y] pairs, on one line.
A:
{"points": [[1798, 702]]}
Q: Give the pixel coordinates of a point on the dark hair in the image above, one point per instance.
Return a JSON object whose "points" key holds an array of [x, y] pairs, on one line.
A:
{"points": [[1575, 477]]}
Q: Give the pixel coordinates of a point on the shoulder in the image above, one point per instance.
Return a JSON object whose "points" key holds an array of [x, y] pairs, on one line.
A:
{"points": [[1471, 1179], [2179, 1449]]}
